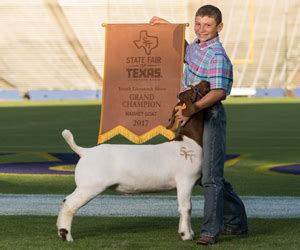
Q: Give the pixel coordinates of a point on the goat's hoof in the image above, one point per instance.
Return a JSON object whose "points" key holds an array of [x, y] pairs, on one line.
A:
{"points": [[69, 238], [186, 236], [63, 233]]}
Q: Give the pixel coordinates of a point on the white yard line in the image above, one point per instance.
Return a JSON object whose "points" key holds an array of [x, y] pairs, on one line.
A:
{"points": [[148, 206]]}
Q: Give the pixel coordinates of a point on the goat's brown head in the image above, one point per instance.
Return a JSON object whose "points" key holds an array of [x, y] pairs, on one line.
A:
{"points": [[186, 100], [194, 93]]}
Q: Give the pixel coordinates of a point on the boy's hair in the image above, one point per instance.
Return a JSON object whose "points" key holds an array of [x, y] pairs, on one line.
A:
{"points": [[210, 11]]}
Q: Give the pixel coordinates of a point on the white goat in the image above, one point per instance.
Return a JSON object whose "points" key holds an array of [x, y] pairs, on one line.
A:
{"points": [[139, 168]]}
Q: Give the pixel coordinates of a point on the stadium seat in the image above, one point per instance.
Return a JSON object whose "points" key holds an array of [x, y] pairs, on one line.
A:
{"points": [[55, 95], [12, 95], [272, 92]]}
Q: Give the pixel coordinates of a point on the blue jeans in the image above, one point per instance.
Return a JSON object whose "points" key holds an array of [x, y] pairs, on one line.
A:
{"points": [[223, 209]]}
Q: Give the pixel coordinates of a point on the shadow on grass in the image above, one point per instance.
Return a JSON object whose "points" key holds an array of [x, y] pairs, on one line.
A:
{"points": [[120, 226]]}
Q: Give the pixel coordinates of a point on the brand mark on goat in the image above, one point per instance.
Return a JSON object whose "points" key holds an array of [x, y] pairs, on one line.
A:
{"points": [[188, 154]]}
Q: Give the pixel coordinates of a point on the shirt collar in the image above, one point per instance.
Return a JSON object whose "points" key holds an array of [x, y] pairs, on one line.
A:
{"points": [[208, 43]]}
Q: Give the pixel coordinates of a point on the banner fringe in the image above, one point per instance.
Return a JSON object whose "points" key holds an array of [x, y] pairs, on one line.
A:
{"points": [[120, 130]]}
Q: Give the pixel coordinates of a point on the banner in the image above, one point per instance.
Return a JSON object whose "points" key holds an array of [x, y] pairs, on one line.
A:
{"points": [[142, 77]]}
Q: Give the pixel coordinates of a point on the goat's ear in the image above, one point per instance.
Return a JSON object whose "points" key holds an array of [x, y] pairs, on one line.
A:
{"points": [[173, 123], [181, 97]]}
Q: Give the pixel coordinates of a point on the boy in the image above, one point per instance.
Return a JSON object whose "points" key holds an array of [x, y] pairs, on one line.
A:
{"points": [[206, 59]]}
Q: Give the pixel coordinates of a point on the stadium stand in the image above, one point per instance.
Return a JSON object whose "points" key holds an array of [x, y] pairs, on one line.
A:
{"points": [[59, 44]]}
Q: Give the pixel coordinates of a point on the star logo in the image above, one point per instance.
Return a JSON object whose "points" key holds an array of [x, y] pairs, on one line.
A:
{"points": [[148, 43]]}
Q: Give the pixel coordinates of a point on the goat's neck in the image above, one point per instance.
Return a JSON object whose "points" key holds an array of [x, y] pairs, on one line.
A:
{"points": [[194, 128]]}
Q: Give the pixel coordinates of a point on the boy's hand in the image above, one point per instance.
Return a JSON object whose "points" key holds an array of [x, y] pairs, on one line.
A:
{"points": [[155, 20], [182, 119]]}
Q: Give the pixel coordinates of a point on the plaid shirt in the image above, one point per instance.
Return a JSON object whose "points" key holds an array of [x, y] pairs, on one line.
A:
{"points": [[208, 61]]}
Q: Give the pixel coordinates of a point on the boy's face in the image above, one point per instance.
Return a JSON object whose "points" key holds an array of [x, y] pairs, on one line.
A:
{"points": [[206, 28]]}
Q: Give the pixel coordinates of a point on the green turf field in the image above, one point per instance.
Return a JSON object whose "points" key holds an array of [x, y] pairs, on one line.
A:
{"points": [[139, 233], [264, 131]]}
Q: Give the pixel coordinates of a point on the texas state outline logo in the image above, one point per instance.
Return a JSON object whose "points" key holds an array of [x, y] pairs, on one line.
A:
{"points": [[148, 43]]}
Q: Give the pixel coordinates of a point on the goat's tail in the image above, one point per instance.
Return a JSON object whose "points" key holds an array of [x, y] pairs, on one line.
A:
{"points": [[67, 135]]}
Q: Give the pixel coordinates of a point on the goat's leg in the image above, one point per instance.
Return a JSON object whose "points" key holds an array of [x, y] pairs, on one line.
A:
{"points": [[184, 192], [69, 207]]}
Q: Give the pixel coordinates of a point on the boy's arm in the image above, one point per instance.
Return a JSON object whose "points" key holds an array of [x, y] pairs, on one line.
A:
{"points": [[220, 78], [214, 96]]}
